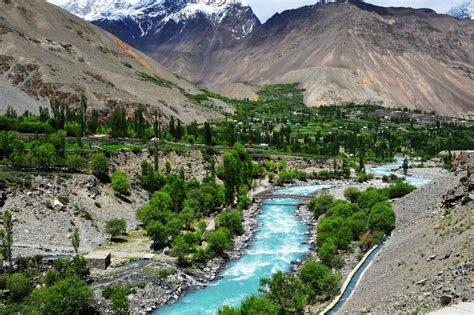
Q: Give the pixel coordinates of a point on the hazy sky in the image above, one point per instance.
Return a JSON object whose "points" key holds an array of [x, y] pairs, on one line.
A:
{"points": [[266, 8]]}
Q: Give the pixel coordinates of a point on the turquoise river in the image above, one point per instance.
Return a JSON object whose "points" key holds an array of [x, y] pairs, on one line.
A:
{"points": [[279, 240]]}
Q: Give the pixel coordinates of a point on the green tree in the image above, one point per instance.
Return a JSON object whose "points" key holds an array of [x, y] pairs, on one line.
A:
{"points": [[258, 305], [232, 221], [99, 166], [83, 115], [58, 140], [139, 123], [382, 217], [116, 227], [398, 190], [351, 194], [359, 223], [370, 197], [286, 291], [76, 240], [207, 133], [321, 205], [7, 238], [159, 233], [119, 299], [93, 123], [59, 118], [319, 278], [232, 169], [219, 241], [159, 209], [328, 252], [68, 296], [118, 124], [336, 228], [19, 286], [120, 183], [43, 155]]}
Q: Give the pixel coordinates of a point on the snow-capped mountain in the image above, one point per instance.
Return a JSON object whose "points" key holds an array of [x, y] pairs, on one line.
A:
{"points": [[91, 10], [163, 10], [178, 33], [464, 11]]}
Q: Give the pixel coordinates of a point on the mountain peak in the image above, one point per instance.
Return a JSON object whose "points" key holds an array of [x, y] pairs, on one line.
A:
{"points": [[93, 10]]}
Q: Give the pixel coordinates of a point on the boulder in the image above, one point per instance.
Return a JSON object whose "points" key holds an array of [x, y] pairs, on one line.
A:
{"points": [[58, 205], [446, 299]]}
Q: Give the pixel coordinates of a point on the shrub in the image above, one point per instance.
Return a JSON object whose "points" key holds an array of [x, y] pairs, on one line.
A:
{"points": [[286, 291], [116, 227], [51, 277], [370, 197], [327, 252], [229, 310], [321, 205], [119, 301], [399, 190], [336, 228], [232, 221], [120, 183], [99, 166], [319, 278], [351, 194], [341, 208], [75, 161], [359, 223], [219, 241], [118, 296], [364, 177], [258, 305], [68, 296], [382, 217], [19, 287]]}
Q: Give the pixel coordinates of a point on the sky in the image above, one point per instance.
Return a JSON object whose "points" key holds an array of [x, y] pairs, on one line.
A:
{"points": [[266, 8]]}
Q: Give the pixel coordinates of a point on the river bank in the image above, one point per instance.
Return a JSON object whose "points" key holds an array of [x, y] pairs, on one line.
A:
{"points": [[153, 290], [158, 290], [436, 269]]}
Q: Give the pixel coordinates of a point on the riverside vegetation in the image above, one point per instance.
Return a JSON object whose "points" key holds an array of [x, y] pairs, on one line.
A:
{"points": [[57, 140], [363, 220]]}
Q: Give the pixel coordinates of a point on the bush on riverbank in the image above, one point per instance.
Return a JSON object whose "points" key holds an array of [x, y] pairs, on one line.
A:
{"points": [[287, 293], [321, 205], [363, 220], [398, 190]]}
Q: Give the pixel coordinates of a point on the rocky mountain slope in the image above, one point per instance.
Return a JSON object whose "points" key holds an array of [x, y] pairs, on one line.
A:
{"points": [[180, 34], [428, 262], [358, 52], [339, 52], [46, 52]]}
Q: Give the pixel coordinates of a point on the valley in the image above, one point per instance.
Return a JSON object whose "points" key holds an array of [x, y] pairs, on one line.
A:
{"points": [[196, 160], [350, 51]]}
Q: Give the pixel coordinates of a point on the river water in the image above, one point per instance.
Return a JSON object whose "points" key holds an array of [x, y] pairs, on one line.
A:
{"points": [[387, 169], [279, 240]]}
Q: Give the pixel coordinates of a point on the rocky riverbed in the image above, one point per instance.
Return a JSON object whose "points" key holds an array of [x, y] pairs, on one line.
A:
{"points": [[155, 290]]}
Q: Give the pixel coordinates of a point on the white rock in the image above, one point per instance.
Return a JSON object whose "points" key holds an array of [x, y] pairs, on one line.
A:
{"points": [[57, 204]]}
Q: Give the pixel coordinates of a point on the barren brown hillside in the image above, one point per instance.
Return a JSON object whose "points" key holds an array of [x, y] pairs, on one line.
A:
{"points": [[46, 52], [351, 52]]}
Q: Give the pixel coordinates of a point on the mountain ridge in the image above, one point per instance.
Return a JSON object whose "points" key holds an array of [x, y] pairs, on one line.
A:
{"points": [[49, 53], [348, 51]]}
